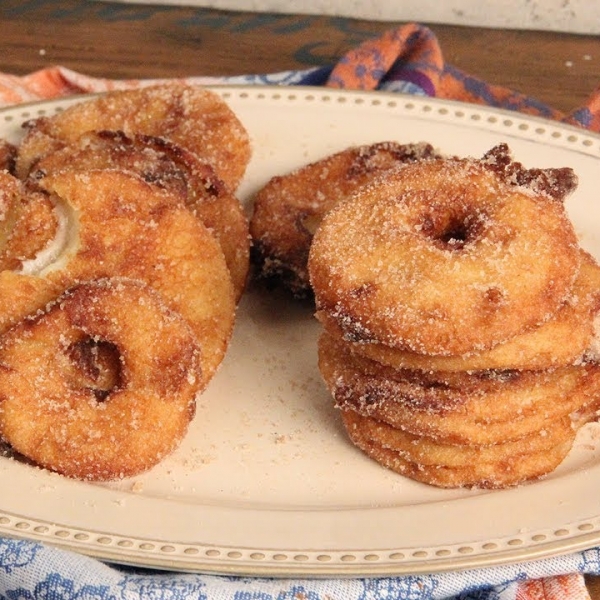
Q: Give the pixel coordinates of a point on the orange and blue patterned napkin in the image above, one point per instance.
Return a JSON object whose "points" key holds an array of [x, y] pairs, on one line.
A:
{"points": [[407, 59], [411, 54]]}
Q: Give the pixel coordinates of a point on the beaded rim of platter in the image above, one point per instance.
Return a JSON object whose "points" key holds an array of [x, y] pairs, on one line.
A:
{"points": [[292, 562]]}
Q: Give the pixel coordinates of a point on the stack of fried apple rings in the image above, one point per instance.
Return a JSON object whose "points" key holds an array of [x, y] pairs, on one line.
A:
{"points": [[124, 252], [458, 311]]}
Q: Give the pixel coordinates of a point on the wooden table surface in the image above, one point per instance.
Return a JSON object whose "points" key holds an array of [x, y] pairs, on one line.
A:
{"points": [[140, 41], [126, 40]]}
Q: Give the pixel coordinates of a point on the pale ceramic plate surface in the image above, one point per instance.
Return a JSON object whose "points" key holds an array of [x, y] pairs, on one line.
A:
{"points": [[266, 481]]}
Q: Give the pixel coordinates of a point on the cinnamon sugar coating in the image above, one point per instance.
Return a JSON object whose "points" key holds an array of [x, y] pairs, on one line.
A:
{"points": [[290, 207], [556, 183], [566, 338], [500, 466], [172, 168], [461, 320], [123, 253], [59, 408], [443, 257], [8, 156], [480, 408], [147, 234], [191, 116]]}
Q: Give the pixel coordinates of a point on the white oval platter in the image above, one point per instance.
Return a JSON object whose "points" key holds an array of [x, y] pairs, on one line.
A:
{"points": [[266, 483]]}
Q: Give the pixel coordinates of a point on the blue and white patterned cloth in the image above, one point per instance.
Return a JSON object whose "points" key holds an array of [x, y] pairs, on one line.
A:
{"points": [[32, 571]]}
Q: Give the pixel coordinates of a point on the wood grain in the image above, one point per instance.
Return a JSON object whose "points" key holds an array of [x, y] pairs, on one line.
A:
{"points": [[137, 41], [123, 41]]}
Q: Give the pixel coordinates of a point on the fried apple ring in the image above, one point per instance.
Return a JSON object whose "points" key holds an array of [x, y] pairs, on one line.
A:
{"points": [[562, 340], [146, 234], [426, 259], [192, 117], [171, 167], [429, 452], [526, 464], [289, 208], [88, 432], [456, 408]]}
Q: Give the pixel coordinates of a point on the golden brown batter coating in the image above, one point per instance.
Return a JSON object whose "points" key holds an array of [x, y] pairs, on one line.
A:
{"points": [[99, 428], [443, 257], [146, 234], [173, 168], [426, 451], [289, 208], [456, 408], [192, 117], [498, 466], [22, 295], [460, 320], [562, 340]]}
